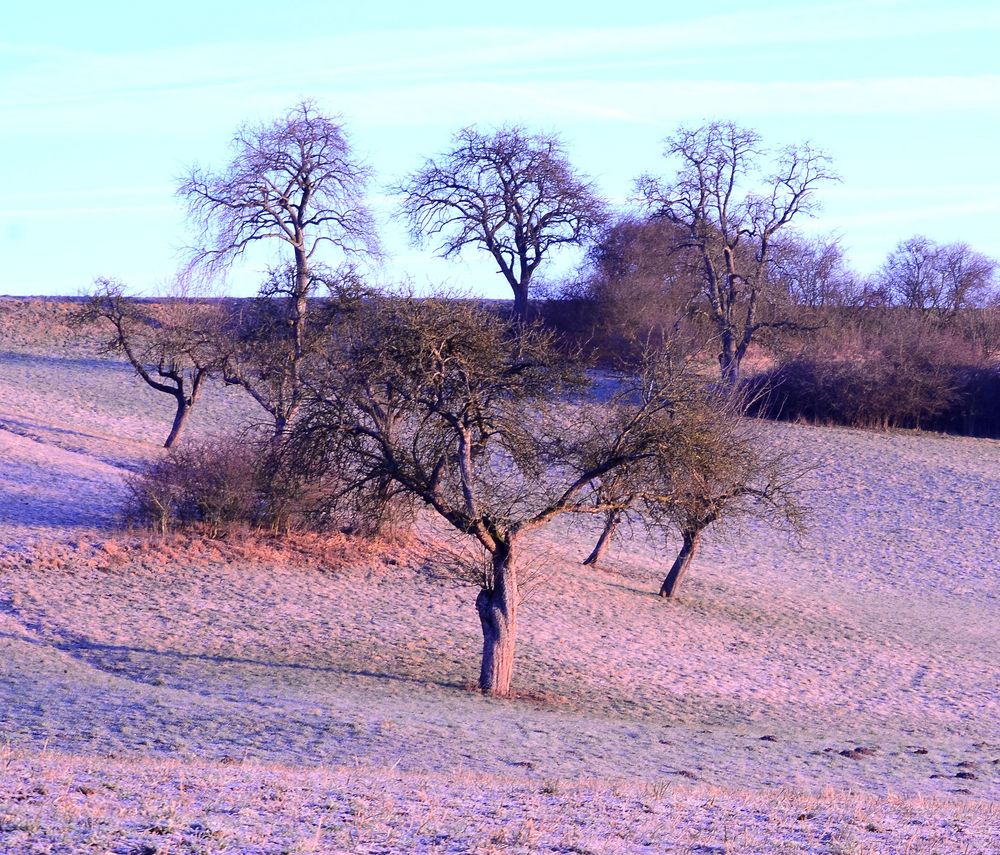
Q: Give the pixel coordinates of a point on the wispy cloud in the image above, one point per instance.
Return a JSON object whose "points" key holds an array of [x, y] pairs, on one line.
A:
{"points": [[82, 210], [904, 217], [377, 61]]}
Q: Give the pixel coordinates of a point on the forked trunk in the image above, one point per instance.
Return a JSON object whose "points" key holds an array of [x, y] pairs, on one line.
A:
{"points": [[180, 420], [604, 541], [497, 607], [676, 575]]}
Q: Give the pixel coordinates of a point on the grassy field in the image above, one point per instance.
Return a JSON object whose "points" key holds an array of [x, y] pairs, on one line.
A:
{"points": [[835, 694]]}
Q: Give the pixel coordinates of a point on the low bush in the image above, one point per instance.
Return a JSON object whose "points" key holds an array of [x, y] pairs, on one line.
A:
{"points": [[883, 391], [220, 483], [248, 482], [975, 410]]}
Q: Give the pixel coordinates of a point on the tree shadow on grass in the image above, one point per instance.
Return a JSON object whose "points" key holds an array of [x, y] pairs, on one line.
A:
{"points": [[63, 439], [37, 430], [630, 589], [90, 363], [71, 510], [115, 660]]}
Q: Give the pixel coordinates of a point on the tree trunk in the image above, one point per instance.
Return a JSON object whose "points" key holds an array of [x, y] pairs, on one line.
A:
{"points": [[300, 301], [610, 524], [681, 564], [520, 302], [180, 420], [497, 607], [729, 360]]}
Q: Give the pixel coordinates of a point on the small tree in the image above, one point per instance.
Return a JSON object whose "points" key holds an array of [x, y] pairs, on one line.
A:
{"points": [[461, 410], [172, 354], [267, 343], [707, 464], [662, 385], [511, 193], [728, 473], [731, 209]]}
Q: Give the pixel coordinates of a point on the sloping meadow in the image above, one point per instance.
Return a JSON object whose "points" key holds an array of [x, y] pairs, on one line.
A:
{"points": [[836, 693]]}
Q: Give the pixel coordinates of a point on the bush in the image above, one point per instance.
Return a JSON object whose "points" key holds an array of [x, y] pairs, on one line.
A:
{"points": [[976, 408], [243, 481], [220, 483], [639, 288], [886, 390], [210, 483]]}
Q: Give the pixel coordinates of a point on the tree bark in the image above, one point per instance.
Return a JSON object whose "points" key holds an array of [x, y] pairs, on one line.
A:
{"points": [[729, 360], [180, 421], [604, 541], [520, 302], [497, 607], [676, 574]]}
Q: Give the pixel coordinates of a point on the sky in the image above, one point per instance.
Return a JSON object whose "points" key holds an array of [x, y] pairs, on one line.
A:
{"points": [[104, 105]]}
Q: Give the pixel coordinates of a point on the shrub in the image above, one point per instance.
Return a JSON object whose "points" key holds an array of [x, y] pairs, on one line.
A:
{"points": [[246, 481], [976, 408], [210, 483], [220, 483], [885, 390]]}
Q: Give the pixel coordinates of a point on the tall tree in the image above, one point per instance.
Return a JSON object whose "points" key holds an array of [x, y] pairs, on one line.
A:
{"points": [[172, 352], [511, 193], [294, 181], [732, 199]]}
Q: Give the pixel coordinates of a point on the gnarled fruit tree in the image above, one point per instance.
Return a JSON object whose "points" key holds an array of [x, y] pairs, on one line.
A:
{"points": [[465, 411]]}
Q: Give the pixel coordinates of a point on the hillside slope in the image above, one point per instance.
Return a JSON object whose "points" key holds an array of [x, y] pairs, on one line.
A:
{"points": [[837, 694]]}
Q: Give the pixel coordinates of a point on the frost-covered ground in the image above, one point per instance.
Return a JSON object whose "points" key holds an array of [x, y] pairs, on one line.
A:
{"points": [[835, 695]]}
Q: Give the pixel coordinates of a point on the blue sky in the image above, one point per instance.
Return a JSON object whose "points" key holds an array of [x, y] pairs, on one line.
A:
{"points": [[103, 104]]}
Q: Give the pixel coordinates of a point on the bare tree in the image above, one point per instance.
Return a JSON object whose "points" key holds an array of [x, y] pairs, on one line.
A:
{"points": [[297, 182], [661, 382], [511, 193], [730, 224], [937, 281], [970, 277], [459, 408], [612, 519], [813, 272], [727, 472], [705, 464], [172, 353]]}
